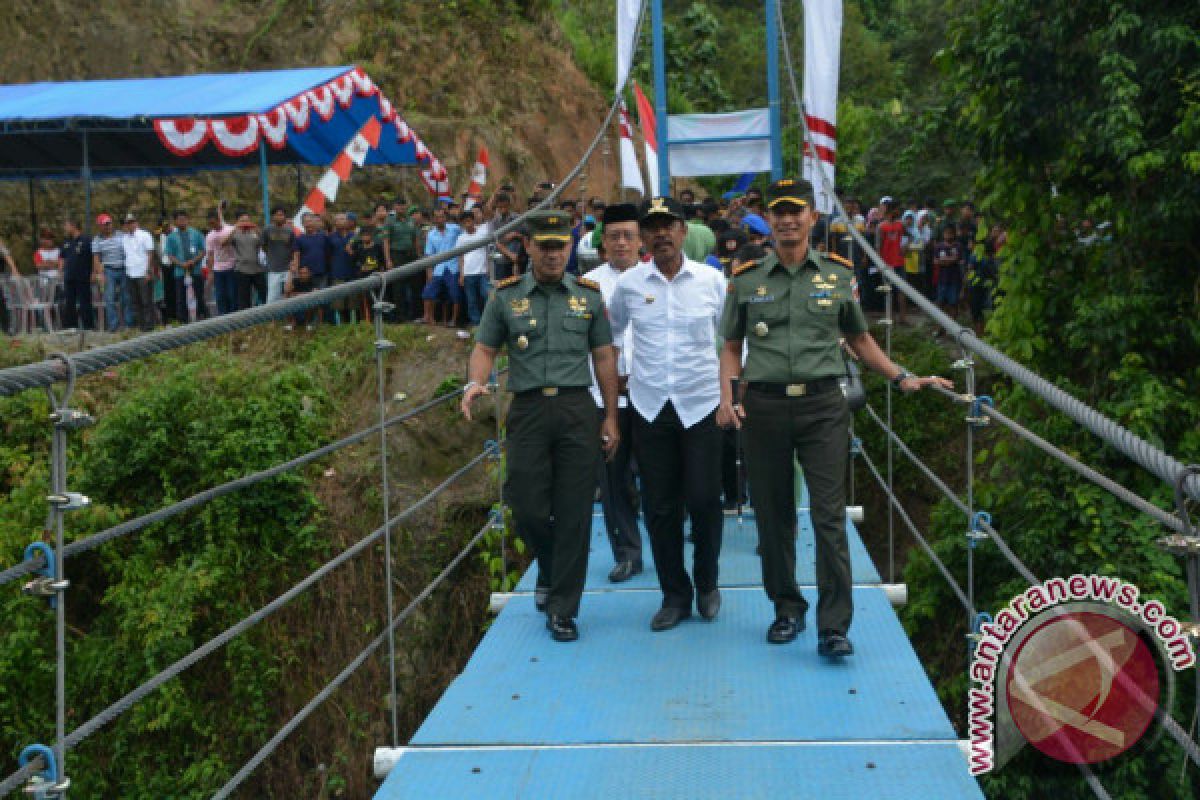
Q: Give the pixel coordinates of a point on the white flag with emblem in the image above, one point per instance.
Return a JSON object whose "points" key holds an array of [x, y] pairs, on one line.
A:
{"points": [[822, 52], [631, 173]]}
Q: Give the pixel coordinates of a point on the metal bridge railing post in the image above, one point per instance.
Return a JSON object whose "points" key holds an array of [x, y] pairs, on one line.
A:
{"points": [[52, 782], [888, 323], [382, 345], [500, 521]]}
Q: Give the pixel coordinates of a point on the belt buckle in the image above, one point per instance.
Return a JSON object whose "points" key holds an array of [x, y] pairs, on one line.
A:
{"points": [[549, 391], [796, 389]]}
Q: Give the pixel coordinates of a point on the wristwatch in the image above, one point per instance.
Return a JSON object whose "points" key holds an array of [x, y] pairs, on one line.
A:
{"points": [[901, 376]]}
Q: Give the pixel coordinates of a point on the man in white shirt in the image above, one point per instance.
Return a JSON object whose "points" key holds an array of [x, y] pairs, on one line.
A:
{"points": [[473, 266], [140, 269], [673, 305], [620, 240]]}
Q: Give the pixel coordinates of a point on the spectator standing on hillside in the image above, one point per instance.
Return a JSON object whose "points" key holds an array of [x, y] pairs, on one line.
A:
{"points": [[310, 265], [166, 273], [278, 241], [341, 265], [473, 267], [442, 280], [889, 241], [75, 255], [6, 261], [140, 268], [220, 258], [47, 257], [249, 272], [368, 255], [184, 254], [948, 258], [398, 236], [108, 265]]}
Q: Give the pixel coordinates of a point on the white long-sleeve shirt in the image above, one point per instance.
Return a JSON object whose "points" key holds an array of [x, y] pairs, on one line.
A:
{"points": [[674, 325], [606, 275]]}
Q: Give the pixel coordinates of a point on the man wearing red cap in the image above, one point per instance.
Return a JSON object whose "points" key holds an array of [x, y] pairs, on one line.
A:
{"points": [[108, 266]]}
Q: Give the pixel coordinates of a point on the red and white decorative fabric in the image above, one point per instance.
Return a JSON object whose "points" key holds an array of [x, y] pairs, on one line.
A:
{"points": [[478, 179], [822, 52], [353, 154], [631, 174], [239, 136], [649, 134]]}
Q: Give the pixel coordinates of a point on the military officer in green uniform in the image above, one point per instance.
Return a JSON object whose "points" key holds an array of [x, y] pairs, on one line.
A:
{"points": [[551, 322], [790, 310]]}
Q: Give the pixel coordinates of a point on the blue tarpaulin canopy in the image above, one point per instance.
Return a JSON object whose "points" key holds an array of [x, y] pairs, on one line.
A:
{"points": [[154, 126]]}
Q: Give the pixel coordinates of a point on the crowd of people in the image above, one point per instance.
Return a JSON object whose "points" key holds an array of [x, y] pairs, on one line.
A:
{"points": [[175, 272]]}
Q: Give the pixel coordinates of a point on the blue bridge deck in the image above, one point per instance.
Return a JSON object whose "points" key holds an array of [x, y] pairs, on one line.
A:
{"points": [[707, 710]]}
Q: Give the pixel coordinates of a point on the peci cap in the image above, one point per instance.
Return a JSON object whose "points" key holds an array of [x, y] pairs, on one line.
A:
{"points": [[789, 190], [619, 212], [660, 207], [550, 226]]}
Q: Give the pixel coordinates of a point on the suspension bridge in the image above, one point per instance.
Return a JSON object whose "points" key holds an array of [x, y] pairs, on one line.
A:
{"points": [[705, 710]]}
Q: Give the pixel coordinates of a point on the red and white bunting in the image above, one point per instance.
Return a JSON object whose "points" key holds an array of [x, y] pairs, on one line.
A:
{"points": [[237, 136], [183, 137]]}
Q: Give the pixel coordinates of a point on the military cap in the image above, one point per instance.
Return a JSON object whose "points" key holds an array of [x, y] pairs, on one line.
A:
{"points": [[549, 226], [660, 207], [790, 190]]}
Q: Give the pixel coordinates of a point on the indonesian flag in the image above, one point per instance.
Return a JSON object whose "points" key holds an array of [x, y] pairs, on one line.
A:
{"points": [[822, 51], [352, 155], [649, 134], [436, 179], [478, 179], [631, 174]]}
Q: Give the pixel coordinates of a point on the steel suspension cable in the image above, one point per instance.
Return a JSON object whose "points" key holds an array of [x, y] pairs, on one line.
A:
{"points": [[921, 540], [125, 703], [166, 512], [270, 747], [1117, 490]]}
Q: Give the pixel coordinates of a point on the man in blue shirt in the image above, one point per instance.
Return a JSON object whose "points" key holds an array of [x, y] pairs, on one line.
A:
{"points": [[441, 282], [108, 257], [184, 250]]}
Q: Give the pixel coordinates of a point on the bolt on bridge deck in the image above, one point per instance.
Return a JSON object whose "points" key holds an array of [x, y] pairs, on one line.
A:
{"points": [[706, 710]]}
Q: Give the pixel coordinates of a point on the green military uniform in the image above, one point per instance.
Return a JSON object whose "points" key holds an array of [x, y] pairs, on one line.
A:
{"points": [[550, 331], [791, 319]]}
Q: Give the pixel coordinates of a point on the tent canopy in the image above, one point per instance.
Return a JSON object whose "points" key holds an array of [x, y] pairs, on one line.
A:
{"points": [[154, 126]]}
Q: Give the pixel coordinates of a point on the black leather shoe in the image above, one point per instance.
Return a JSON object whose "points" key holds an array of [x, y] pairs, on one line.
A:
{"points": [[784, 629], [668, 617], [709, 603], [539, 598], [562, 629], [832, 644], [624, 570]]}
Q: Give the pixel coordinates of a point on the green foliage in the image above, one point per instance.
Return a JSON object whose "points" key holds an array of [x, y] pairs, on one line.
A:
{"points": [[138, 604]]}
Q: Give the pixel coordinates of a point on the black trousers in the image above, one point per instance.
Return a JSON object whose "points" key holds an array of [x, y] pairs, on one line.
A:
{"points": [[618, 495], [167, 309], [77, 305], [551, 482], [681, 468], [255, 283], [814, 429]]}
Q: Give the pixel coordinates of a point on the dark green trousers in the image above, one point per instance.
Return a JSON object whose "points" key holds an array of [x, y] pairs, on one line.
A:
{"points": [[816, 430], [551, 484]]}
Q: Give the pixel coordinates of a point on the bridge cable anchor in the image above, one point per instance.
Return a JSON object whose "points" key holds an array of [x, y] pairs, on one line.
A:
{"points": [[977, 533], [45, 585], [976, 418], [49, 783]]}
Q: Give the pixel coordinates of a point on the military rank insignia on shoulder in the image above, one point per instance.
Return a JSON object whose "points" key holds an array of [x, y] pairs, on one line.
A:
{"points": [[588, 283], [749, 265], [845, 262], [512, 280]]}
